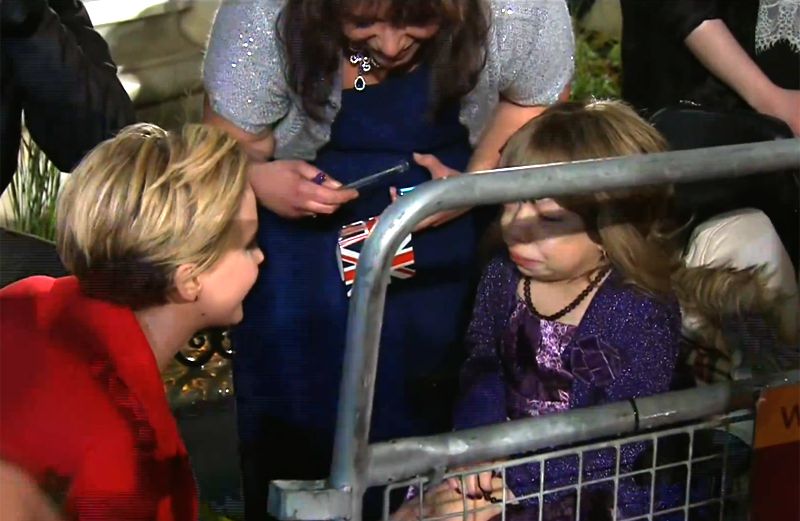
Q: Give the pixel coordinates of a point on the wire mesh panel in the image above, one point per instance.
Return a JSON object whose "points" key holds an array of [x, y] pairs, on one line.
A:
{"points": [[697, 472]]}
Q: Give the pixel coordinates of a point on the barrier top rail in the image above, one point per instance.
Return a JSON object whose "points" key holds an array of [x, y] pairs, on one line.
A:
{"points": [[351, 457]]}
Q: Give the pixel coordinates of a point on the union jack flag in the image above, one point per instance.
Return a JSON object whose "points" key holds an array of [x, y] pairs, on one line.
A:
{"points": [[351, 240]]}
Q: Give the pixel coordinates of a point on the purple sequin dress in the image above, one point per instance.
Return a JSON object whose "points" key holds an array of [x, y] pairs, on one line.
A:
{"points": [[625, 346], [537, 381]]}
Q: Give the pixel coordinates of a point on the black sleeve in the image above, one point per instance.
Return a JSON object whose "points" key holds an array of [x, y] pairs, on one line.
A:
{"points": [[684, 16], [677, 18], [71, 96]]}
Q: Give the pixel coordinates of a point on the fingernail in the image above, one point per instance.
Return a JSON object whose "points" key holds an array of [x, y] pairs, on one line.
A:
{"points": [[320, 178]]}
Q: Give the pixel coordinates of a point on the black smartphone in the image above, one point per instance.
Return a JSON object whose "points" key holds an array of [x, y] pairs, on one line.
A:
{"points": [[373, 179]]}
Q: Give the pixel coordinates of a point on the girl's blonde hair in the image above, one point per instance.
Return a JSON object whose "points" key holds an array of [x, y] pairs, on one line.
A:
{"points": [[629, 224], [145, 202], [632, 225]]}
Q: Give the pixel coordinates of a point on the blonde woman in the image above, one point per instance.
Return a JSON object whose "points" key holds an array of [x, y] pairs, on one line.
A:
{"points": [[158, 230]]}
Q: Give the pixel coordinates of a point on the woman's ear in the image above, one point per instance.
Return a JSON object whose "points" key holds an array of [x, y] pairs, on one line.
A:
{"points": [[187, 285]]}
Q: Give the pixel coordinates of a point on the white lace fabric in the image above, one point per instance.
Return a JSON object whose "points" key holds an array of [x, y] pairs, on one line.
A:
{"points": [[778, 20]]}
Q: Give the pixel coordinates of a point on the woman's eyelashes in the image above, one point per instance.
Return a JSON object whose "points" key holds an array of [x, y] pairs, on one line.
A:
{"points": [[361, 22]]}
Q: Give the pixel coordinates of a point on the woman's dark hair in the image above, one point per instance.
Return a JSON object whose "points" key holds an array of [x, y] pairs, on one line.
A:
{"points": [[313, 28]]}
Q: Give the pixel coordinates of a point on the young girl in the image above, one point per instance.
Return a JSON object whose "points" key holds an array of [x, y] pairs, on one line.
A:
{"points": [[158, 230], [579, 310], [584, 286], [582, 310]]}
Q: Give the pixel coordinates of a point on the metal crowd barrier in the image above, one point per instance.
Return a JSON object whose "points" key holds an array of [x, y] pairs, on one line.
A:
{"points": [[358, 465]]}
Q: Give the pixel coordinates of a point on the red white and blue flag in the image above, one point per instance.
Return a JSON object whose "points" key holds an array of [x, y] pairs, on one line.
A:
{"points": [[351, 240]]}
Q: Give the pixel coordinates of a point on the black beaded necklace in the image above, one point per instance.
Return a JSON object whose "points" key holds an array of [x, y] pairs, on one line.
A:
{"points": [[593, 282]]}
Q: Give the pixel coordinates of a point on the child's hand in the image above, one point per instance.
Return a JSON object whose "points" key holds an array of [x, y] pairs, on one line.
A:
{"points": [[475, 486], [445, 500]]}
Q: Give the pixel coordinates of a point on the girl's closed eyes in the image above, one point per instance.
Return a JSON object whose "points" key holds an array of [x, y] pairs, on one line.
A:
{"points": [[551, 217]]}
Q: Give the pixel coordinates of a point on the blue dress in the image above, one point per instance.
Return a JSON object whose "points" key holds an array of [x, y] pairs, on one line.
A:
{"points": [[290, 346]]}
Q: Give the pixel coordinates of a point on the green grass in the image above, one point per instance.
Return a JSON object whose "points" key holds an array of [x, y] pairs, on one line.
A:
{"points": [[598, 66], [34, 192]]}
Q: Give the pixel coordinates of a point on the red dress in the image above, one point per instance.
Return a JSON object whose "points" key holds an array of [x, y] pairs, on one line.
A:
{"points": [[83, 409]]}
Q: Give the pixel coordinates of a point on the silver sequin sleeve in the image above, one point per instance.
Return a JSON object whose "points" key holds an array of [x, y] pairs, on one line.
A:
{"points": [[243, 69], [535, 47]]}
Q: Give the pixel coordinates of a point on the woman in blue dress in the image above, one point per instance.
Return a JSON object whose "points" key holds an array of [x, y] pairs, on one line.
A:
{"points": [[323, 93]]}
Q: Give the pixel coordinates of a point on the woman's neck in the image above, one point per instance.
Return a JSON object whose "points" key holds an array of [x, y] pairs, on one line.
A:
{"points": [[376, 75], [166, 331]]}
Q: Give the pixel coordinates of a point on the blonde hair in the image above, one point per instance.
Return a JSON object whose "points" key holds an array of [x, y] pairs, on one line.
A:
{"points": [[145, 202], [629, 223], [710, 296]]}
